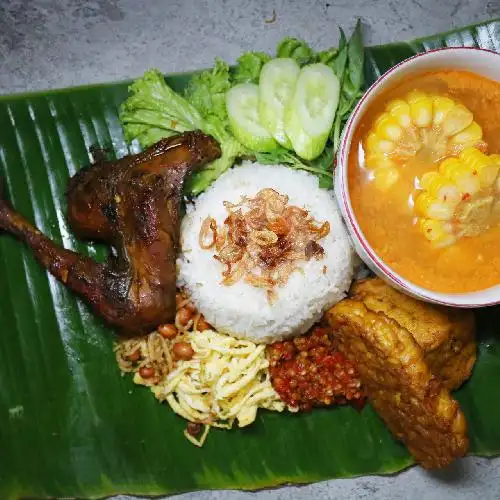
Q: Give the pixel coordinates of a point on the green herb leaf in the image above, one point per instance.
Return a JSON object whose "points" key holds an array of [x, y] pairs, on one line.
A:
{"points": [[327, 56], [249, 66], [296, 49], [324, 162], [339, 62], [352, 81], [285, 157], [356, 59]]}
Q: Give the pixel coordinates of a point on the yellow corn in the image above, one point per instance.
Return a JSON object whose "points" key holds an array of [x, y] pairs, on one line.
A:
{"points": [[428, 206], [385, 177], [457, 119], [485, 167], [441, 107], [461, 174], [400, 111], [469, 136], [388, 128], [420, 108], [378, 161], [441, 188], [437, 232], [460, 198], [439, 127], [376, 145]]}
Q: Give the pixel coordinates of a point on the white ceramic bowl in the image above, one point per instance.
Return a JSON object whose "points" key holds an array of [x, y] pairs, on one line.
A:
{"points": [[482, 62]]}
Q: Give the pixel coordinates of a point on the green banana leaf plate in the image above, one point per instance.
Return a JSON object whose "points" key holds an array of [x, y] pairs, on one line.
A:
{"points": [[71, 425]]}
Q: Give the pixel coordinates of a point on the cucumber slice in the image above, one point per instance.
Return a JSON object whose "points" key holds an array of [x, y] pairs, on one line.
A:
{"points": [[242, 103], [310, 113], [276, 87]]}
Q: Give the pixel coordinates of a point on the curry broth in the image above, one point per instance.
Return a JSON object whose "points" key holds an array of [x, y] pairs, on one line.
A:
{"points": [[387, 219]]}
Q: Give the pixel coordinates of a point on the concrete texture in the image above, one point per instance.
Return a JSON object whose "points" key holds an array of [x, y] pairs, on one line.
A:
{"points": [[56, 43]]}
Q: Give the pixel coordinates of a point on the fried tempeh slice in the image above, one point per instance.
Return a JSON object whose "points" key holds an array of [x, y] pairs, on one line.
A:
{"points": [[446, 335], [413, 402]]}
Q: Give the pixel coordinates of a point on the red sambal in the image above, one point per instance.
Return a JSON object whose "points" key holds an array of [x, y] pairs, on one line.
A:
{"points": [[308, 371]]}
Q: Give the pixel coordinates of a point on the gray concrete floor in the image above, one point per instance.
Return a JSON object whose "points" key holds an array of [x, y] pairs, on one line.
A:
{"points": [[57, 43]]}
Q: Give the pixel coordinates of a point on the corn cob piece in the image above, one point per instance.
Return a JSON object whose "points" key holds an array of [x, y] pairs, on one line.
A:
{"points": [[460, 199], [420, 121]]}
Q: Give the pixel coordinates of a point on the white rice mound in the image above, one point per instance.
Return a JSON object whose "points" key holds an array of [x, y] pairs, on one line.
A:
{"points": [[242, 310]]}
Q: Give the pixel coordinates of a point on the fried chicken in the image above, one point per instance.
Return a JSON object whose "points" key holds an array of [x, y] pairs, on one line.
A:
{"points": [[133, 204], [414, 403], [446, 335]]}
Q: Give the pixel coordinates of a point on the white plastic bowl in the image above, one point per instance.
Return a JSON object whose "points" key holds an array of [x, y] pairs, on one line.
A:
{"points": [[479, 61]]}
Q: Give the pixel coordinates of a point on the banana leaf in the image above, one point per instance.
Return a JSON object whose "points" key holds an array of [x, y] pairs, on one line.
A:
{"points": [[71, 425]]}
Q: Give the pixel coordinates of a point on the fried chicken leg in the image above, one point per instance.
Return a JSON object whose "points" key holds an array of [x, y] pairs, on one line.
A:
{"points": [[132, 204]]}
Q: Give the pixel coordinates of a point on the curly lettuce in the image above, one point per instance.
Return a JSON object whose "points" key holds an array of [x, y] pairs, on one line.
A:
{"points": [[248, 67], [154, 111]]}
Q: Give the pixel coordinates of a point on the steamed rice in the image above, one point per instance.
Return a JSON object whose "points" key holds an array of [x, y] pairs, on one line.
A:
{"points": [[243, 310]]}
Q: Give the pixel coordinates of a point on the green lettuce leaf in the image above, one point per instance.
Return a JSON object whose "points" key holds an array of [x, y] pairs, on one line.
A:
{"points": [[296, 49], [154, 111], [249, 66], [200, 180], [207, 91], [153, 104]]}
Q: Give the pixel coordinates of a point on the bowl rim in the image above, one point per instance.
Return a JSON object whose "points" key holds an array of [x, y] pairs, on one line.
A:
{"points": [[441, 298]]}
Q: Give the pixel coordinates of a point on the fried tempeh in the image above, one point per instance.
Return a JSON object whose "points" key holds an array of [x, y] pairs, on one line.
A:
{"points": [[413, 402], [446, 335]]}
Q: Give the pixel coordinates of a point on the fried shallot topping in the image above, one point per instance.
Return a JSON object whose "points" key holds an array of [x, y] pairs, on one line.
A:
{"points": [[263, 239]]}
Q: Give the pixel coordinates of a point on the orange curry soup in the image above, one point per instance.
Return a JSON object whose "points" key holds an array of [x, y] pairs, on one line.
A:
{"points": [[441, 231]]}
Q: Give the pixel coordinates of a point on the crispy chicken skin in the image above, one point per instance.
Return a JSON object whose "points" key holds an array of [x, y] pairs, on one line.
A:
{"points": [[412, 401], [446, 335], [132, 204]]}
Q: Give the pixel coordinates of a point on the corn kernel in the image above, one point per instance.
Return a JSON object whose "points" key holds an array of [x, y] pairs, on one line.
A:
{"points": [[461, 175], [378, 161], [470, 136], [427, 206], [437, 232], [385, 177], [441, 107], [400, 111], [387, 128], [441, 188], [486, 167], [456, 120], [420, 108], [375, 144]]}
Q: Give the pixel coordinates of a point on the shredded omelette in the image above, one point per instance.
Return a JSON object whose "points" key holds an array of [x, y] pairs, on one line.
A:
{"points": [[225, 381]]}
